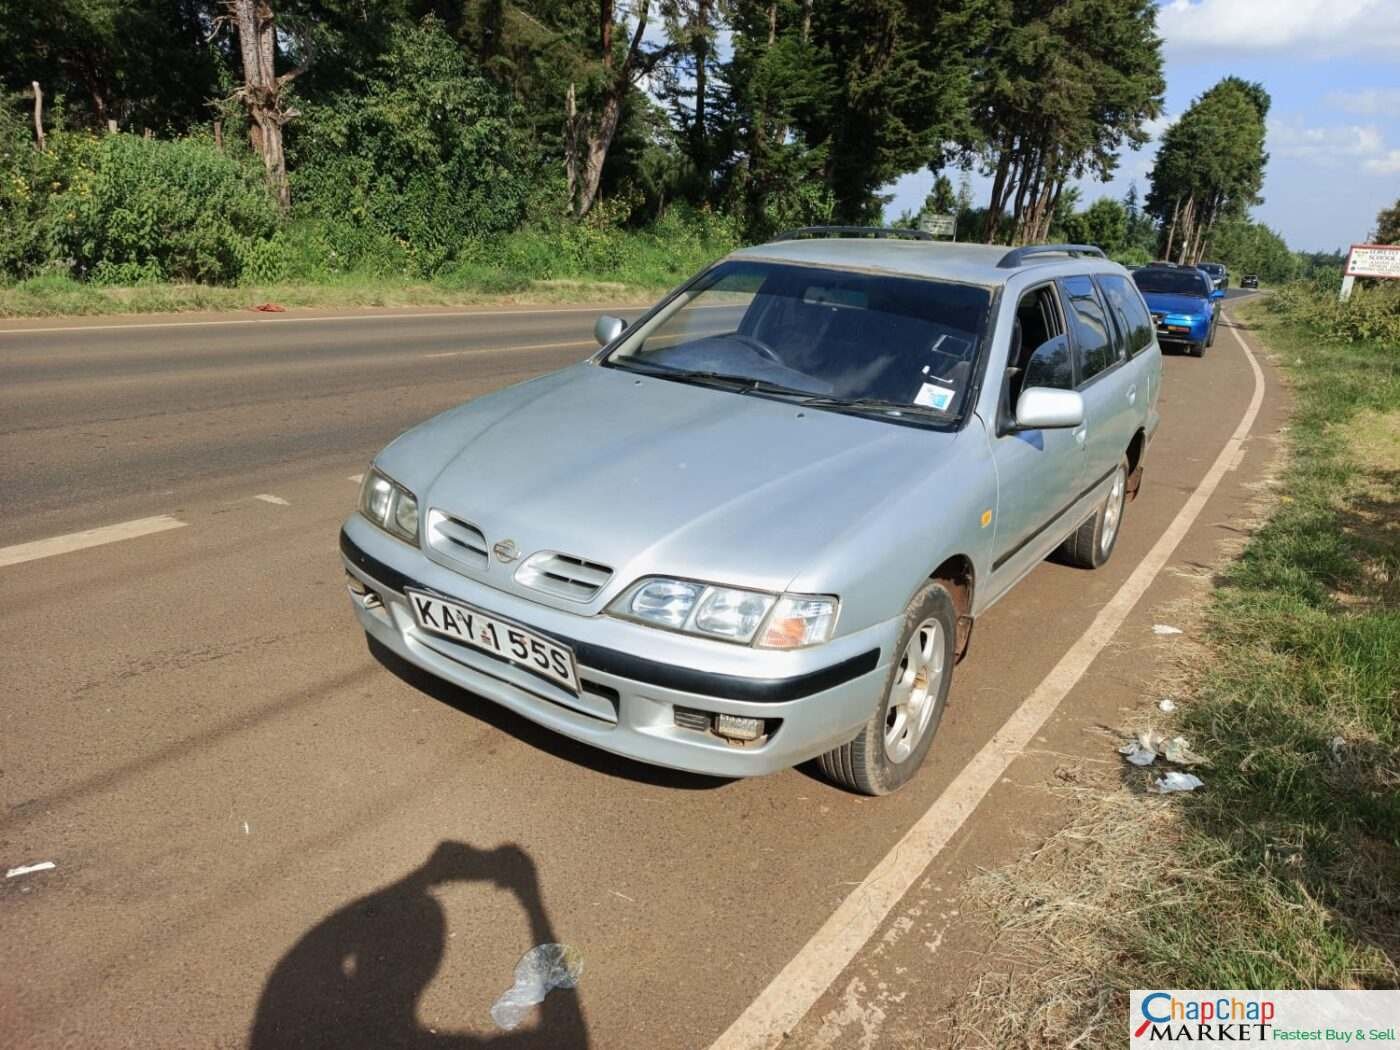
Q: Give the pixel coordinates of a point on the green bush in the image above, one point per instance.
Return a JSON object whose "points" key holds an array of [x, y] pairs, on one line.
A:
{"points": [[123, 209], [1372, 312], [418, 159]]}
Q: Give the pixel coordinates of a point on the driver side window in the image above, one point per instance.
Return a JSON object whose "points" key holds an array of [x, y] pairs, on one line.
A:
{"points": [[1038, 321]]}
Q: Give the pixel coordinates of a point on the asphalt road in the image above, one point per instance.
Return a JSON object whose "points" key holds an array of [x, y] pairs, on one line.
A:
{"points": [[262, 835]]}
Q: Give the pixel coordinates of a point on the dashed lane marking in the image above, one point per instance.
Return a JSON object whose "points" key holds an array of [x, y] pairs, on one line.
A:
{"points": [[76, 541]]}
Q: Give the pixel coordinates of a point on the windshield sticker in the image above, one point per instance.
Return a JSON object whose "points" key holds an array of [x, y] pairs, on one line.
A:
{"points": [[931, 396]]}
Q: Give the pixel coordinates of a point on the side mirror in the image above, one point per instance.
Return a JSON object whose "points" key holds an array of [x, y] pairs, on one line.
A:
{"points": [[607, 328], [1041, 408], [1219, 293]]}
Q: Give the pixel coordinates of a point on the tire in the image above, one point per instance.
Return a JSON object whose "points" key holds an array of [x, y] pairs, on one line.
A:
{"points": [[1210, 334], [1196, 350], [884, 756], [1090, 545]]}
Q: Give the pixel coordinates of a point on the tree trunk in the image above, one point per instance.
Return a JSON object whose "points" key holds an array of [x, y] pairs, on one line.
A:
{"points": [[699, 147], [617, 80], [38, 116], [994, 205], [1171, 229], [262, 90], [571, 144]]}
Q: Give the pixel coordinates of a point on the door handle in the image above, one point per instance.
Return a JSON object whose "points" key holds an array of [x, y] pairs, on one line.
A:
{"points": [[1132, 394], [1081, 434]]}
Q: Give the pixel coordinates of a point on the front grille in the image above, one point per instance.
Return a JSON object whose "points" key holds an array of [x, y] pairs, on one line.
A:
{"points": [[564, 575], [459, 540]]}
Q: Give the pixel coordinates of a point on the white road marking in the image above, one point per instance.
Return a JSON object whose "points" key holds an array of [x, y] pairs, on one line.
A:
{"points": [[356, 478], [499, 349], [29, 869], [310, 320], [797, 987], [76, 541], [267, 497]]}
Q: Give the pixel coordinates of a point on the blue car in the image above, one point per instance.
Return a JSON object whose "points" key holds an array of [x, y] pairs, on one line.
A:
{"points": [[1183, 301]]}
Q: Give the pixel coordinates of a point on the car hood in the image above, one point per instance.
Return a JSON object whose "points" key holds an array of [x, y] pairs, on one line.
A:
{"points": [[1161, 302], [651, 476]]}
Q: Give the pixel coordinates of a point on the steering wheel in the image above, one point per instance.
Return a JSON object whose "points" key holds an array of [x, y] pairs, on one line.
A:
{"points": [[759, 347]]}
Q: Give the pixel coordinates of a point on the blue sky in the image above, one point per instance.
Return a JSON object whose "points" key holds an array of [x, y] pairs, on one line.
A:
{"points": [[1333, 69]]}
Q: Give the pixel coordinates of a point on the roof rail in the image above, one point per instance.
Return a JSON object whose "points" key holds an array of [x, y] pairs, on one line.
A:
{"points": [[1018, 256], [853, 231]]}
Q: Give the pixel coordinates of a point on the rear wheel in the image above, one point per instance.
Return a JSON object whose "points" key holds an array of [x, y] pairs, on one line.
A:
{"points": [[892, 744], [1090, 545]]}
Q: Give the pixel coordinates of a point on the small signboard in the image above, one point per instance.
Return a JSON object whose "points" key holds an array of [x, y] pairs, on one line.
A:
{"points": [[1373, 260], [945, 225]]}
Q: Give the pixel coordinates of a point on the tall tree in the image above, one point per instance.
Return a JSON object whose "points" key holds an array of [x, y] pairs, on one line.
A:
{"points": [[1388, 225], [621, 63], [1062, 87], [1210, 166], [263, 90]]}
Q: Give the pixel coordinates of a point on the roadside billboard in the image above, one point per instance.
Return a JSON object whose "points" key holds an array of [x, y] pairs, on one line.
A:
{"points": [[1373, 260]]}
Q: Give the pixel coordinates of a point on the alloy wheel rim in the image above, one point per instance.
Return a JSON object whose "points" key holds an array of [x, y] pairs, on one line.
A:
{"points": [[1113, 512], [918, 682]]}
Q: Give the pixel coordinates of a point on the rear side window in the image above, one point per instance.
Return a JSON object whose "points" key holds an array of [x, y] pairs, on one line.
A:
{"points": [[1093, 338], [1128, 310]]}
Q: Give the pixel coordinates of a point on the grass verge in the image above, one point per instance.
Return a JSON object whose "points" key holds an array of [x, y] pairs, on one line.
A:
{"points": [[62, 296], [1282, 873]]}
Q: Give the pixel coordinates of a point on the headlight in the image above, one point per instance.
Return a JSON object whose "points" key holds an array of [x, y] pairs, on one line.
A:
{"points": [[390, 506], [729, 613]]}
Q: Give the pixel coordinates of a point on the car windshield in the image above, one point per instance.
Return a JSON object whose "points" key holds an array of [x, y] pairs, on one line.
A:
{"points": [[872, 343], [1171, 282]]}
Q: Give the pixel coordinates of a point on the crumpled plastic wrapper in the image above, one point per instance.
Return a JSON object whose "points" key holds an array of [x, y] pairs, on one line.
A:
{"points": [[539, 971], [1151, 745], [1174, 781]]}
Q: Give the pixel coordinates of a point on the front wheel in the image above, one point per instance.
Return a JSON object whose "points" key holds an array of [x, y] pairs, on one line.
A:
{"points": [[1090, 545], [892, 744]]}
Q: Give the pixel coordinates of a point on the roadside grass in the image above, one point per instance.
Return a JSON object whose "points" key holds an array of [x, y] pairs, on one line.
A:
{"points": [[1284, 872], [467, 286]]}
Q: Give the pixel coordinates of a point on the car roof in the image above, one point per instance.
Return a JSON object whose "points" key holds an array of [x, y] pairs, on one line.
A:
{"points": [[945, 260]]}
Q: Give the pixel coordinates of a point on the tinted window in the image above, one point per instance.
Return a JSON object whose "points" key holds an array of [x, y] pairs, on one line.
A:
{"points": [[1092, 338], [1050, 366], [1163, 281], [1126, 305], [822, 331]]}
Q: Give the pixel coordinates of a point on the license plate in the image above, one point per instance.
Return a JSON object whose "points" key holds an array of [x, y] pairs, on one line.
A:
{"points": [[510, 642], [1177, 328]]}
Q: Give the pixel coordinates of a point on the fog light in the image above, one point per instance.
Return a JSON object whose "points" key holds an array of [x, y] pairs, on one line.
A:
{"points": [[361, 593], [732, 727]]}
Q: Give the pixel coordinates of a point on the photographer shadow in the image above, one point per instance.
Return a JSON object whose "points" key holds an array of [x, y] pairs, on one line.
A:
{"points": [[353, 981]]}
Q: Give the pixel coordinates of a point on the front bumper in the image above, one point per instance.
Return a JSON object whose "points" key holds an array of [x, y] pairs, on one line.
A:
{"points": [[1196, 330], [812, 700]]}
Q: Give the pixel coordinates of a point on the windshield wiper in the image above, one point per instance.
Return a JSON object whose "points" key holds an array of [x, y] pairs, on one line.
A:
{"points": [[871, 405], [719, 379]]}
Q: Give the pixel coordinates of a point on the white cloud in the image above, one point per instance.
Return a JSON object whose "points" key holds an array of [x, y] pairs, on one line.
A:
{"points": [[1327, 146], [1306, 28], [1388, 163], [1156, 127], [1366, 101]]}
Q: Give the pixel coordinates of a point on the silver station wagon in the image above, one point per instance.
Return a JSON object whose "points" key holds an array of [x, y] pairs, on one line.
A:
{"points": [[757, 527]]}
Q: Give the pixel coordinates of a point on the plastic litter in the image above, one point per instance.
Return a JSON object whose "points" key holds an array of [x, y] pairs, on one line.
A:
{"points": [[29, 869], [1167, 705], [1174, 781], [1150, 745], [1162, 628], [539, 971]]}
